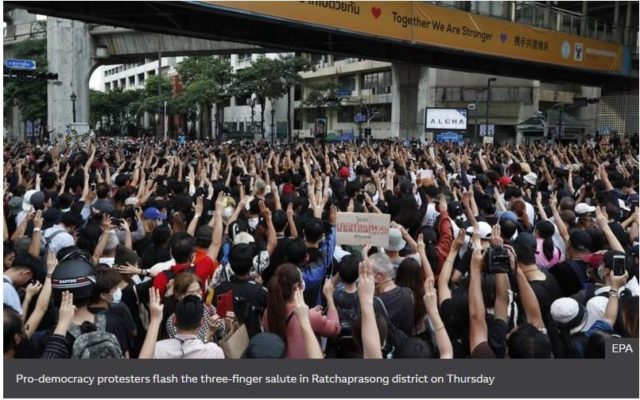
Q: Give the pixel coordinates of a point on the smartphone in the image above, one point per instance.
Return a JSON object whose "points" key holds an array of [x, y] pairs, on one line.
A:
{"points": [[619, 265]]}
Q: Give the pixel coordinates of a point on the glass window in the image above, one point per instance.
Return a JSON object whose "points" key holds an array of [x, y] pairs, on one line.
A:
{"points": [[378, 82], [297, 93], [346, 114], [312, 114], [347, 82], [382, 112]]}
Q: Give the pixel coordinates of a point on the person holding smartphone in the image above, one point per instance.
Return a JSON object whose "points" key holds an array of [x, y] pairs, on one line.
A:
{"points": [[602, 267]]}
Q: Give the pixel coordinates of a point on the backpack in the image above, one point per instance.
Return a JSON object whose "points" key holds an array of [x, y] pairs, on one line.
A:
{"points": [[96, 344], [247, 313], [313, 274], [395, 336]]}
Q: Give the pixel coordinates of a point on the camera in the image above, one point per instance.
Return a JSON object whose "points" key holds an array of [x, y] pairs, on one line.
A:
{"points": [[497, 260]]}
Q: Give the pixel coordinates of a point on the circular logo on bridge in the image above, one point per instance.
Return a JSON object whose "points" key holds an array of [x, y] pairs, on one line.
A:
{"points": [[566, 49]]}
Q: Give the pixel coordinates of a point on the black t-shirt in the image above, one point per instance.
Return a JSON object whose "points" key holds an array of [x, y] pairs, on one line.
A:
{"points": [[547, 291], [497, 332], [399, 305], [277, 259], [142, 245], [570, 279], [457, 324], [153, 255], [348, 307], [115, 325]]}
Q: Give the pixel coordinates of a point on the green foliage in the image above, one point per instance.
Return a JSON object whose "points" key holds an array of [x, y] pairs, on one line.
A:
{"points": [[29, 96], [321, 94], [206, 80], [291, 66]]}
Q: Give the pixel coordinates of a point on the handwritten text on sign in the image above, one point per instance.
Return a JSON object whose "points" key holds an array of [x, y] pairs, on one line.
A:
{"points": [[363, 229]]}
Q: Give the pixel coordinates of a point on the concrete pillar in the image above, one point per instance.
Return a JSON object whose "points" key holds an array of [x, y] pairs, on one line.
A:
{"points": [[69, 54], [627, 24], [410, 94], [589, 114], [615, 31], [358, 83], [583, 19], [329, 60], [16, 132]]}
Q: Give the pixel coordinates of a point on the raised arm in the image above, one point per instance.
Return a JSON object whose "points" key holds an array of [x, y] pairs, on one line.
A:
{"points": [[603, 222], [444, 292], [216, 238], [42, 304], [371, 346], [478, 331], [155, 319], [301, 310], [442, 337], [36, 236], [272, 240], [191, 229], [291, 223]]}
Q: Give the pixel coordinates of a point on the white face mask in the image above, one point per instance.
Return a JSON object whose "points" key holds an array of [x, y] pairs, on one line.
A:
{"points": [[253, 222], [302, 285], [116, 297]]}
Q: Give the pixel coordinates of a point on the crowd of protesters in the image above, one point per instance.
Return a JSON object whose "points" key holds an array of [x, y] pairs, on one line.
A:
{"points": [[150, 249]]}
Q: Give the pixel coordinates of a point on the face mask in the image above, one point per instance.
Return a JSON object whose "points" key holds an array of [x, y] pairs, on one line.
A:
{"points": [[253, 222], [302, 285], [116, 296]]}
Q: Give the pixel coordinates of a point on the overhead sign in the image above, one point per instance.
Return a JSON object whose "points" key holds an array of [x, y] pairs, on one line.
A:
{"points": [[360, 118], [360, 229], [343, 92], [20, 64], [431, 25], [446, 119]]}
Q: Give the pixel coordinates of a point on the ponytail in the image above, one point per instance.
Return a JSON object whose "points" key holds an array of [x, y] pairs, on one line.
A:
{"points": [[548, 248], [281, 288]]}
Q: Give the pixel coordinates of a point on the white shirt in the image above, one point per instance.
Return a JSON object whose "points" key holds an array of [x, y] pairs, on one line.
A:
{"points": [[187, 346], [430, 216], [162, 266], [10, 295]]}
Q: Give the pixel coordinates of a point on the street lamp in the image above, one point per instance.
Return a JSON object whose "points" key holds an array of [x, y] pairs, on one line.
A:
{"points": [[488, 103], [73, 104], [273, 112]]}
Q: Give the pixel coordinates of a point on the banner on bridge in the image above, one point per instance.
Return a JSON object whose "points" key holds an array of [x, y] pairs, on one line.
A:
{"points": [[431, 25]]}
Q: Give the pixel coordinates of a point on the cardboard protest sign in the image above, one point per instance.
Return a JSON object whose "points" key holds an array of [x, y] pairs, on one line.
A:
{"points": [[362, 229]]}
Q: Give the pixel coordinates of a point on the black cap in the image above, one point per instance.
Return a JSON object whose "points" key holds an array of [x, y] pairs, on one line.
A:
{"points": [[526, 239], [51, 217], [580, 240]]}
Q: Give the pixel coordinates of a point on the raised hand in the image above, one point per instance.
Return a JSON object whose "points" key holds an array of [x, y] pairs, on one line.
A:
{"points": [[155, 305], [366, 282]]}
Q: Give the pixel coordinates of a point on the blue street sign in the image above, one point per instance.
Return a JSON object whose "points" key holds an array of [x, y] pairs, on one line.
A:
{"points": [[20, 64], [360, 117], [344, 92]]}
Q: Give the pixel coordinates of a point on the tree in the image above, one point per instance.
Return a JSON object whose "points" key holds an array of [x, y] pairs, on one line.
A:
{"points": [[321, 94], [121, 107], [207, 81], [264, 79], [30, 95], [291, 68]]}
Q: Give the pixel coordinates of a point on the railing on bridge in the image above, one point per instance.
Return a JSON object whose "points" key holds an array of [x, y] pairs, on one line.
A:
{"points": [[553, 18]]}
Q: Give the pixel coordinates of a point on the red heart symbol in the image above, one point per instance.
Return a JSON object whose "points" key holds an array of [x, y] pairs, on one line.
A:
{"points": [[376, 11]]}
